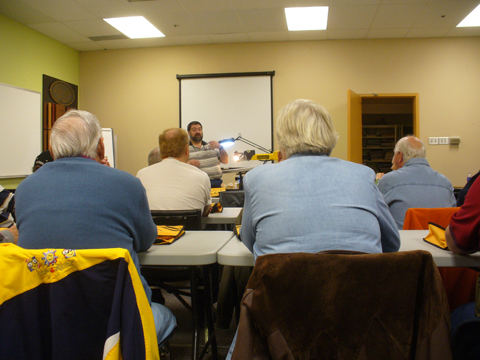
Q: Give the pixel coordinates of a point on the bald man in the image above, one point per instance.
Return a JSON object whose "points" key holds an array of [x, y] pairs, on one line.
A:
{"points": [[413, 183]]}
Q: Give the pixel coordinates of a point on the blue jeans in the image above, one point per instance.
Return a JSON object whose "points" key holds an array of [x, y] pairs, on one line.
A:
{"points": [[165, 322]]}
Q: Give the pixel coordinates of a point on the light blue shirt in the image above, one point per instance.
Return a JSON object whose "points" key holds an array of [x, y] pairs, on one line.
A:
{"points": [[415, 185], [312, 203]]}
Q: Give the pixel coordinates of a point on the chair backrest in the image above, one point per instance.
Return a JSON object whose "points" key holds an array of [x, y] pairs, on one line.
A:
{"points": [[418, 218], [344, 306], [232, 198], [192, 219], [73, 304]]}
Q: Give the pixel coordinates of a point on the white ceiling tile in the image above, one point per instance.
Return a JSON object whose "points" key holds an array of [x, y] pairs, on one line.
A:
{"points": [[397, 15], [192, 40], [118, 44], [387, 33], [23, 13], [347, 34], [268, 36], [207, 21], [428, 32], [229, 38], [464, 31], [85, 46], [152, 42], [218, 22], [258, 20], [59, 32], [176, 24], [92, 28], [62, 10], [163, 6], [109, 8], [307, 35], [444, 14], [351, 17], [206, 5]]}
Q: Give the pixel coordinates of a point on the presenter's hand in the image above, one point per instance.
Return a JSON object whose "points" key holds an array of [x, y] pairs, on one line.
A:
{"points": [[195, 163], [214, 144], [378, 176]]}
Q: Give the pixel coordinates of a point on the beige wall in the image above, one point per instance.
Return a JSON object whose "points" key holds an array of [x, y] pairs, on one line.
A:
{"points": [[135, 91]]}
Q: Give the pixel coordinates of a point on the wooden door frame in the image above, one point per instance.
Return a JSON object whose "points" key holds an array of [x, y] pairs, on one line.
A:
{"points": [[352, 128]]}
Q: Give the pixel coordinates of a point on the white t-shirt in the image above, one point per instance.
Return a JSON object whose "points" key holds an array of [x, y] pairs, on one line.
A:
{"points": [[174, 185]]}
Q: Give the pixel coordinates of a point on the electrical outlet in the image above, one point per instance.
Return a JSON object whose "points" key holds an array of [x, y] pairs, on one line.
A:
{"points": [[433, 141], [443, 140], [454, 140]]}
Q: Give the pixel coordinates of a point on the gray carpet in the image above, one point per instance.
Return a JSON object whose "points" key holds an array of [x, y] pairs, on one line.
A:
{"points": [[181, 341]]}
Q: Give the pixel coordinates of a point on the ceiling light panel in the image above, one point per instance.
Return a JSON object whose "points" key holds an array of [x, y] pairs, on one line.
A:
{"points": [[307, 18], [135, 27], [472, 19]]}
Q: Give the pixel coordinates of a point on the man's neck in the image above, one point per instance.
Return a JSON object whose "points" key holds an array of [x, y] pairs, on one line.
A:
{"points": [[197, 144]]}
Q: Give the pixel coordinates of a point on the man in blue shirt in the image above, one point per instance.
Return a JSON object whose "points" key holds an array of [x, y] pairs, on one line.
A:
{"points": [[413, 184], [311, 202], [77, 202]]}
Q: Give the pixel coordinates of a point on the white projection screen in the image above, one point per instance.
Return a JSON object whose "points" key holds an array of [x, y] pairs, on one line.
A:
{"points": [[228, 105]]}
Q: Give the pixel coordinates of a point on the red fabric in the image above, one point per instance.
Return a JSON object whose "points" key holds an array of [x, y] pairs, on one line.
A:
{"points": [[465, 224], [459, 282]]}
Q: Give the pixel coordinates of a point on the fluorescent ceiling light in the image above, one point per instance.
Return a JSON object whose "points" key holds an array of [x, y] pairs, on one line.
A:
{"points": [[135, 27], [307, 18], [472, 19]]}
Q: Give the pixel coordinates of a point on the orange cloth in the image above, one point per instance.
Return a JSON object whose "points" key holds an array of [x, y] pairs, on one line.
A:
{"points": [[418, 218], [459, 282]]}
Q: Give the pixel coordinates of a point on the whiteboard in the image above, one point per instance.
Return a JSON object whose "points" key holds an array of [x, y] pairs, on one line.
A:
{"points": [[109, 140], [21, 124], [228, 105]]}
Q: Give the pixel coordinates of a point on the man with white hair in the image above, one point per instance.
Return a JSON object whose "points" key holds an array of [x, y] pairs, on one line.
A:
{"points": [[311, 202], [76, 202], [413, 184]]}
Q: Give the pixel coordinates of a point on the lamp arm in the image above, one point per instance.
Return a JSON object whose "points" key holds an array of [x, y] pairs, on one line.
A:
{"points": [[248, 142]]}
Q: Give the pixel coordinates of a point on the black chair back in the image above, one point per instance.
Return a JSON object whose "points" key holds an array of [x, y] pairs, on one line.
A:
{"points": [[191, 219]]}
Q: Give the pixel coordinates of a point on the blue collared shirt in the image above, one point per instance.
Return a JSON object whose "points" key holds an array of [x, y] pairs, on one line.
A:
{"points": [[415, 185], [312, 203]]}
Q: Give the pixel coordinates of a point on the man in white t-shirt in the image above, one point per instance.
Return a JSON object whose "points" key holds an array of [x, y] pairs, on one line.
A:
{"points": [[172, 184]]}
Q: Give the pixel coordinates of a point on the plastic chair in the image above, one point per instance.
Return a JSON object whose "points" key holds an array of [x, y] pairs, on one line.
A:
{"points": [[459, 282], [192, 219], [73, 304]]}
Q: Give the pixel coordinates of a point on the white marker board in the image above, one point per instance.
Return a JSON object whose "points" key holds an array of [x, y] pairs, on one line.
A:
{"points": [[228, 105], [21, 124], [109, 141]]}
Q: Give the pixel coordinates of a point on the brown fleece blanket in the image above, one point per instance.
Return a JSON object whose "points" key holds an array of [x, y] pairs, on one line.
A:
{"points": [[344, 306]]}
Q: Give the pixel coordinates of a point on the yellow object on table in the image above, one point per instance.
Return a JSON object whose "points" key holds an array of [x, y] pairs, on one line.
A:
{"points": [[168, 234]]}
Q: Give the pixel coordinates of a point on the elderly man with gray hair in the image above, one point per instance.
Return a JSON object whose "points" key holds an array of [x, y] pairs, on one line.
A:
{"points": [[311, 202], [77, 202], [413, 184]]}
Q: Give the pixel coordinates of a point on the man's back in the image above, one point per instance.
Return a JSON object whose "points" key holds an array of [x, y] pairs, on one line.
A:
{"points": [[415, 185], [78, 203], [311, 203], [175, 185]]}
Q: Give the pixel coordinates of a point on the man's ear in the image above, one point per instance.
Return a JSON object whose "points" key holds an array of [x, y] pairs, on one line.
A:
{"points": [[100, 150]]}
